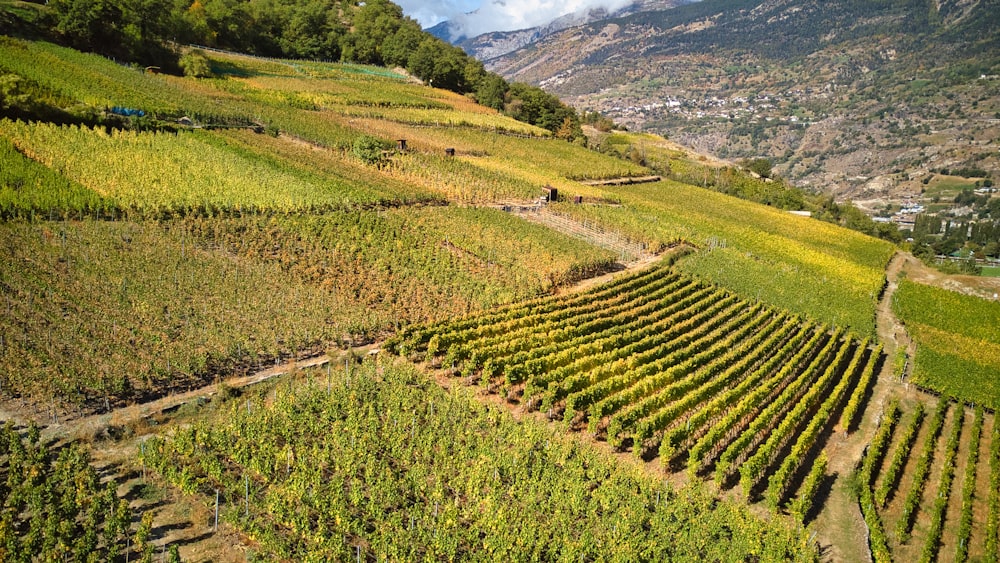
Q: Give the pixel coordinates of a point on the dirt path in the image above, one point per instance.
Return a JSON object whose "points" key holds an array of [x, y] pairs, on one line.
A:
{"points": [[89, 426], [891, 332], [629, 251], [840, 527]]}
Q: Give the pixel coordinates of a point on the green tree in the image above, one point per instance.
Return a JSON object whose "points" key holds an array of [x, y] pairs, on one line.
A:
{"points": [[195, 64], [759, 166], [90, 25], [373, 24], [311, 33], [439, 65], [490, 90], [400, 46]]}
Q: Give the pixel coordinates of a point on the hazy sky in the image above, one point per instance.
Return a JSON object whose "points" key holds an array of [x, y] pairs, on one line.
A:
{"points": [[498, 15]]}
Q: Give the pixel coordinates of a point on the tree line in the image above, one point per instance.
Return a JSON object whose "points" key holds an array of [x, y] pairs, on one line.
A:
{"points": [[376, 32]]}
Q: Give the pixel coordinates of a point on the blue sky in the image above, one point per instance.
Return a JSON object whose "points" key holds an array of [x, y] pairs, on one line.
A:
{"points": [[498, 15]]}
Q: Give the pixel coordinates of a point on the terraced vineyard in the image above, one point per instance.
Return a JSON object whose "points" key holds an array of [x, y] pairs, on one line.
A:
{"points": [[665, 364], [56, 507], [930, 483], [958, 342], [378, 463], [139, 257]]}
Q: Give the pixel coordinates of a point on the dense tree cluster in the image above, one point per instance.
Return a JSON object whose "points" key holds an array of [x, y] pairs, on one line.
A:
{"points": [[376, 32], [847, 215]]}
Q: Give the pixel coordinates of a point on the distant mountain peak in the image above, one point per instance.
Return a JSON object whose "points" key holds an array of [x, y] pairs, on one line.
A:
{"points": [[494, 44]]}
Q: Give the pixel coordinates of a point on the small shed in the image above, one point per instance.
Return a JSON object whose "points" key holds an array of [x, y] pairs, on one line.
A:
{"points": [[401, 144], [449, 152], [551, 194]]}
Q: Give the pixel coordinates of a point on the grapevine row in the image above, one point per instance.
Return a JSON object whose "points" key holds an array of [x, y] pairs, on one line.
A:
{"points": [[912, 502], [854, 404], [878, 542], [993, 519], [748, 354], [780, 480], [969, 488], [759, 428], [679, 344], [611, 337], [551, 335], [891, 476], [415, 337], [803, 503], [697, 424], [642, 346], [933, 541], [670, 383], [754, 469]]}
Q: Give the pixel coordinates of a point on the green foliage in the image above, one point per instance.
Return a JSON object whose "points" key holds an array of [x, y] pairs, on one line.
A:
{"points": [[759, 166], [932, 543], [370, 150], [534, 105], [10, 92], [957, 338], [874, 454], [195, 64], [133, 31], [892, 474], [969, 488], [374, 32], [406, 468], [649, 352], [760, 252], [165, 174], [904, 526], [374, 23], [150, 306], [29, 189], [55, 507], [993, 500], [143, 310], [803, 503]]}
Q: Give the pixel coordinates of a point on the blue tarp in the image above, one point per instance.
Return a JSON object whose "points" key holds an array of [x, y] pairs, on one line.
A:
{"points": [[127, 112]]}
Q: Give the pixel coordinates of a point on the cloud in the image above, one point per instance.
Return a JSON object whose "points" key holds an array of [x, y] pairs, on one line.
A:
{"points": [[499, 15], [436, 11], [510, 15]]}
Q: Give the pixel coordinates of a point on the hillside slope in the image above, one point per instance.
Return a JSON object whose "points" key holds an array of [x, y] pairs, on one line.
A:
{"points": [[863, 98], [179, 232]]}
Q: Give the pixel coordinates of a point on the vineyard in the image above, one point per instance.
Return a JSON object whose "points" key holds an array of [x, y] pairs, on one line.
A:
{"points": [[97, 313], [271, 213], [761, 253], [668, 365], [958, 342], [375, 462], [930, 483], [55, 507]]}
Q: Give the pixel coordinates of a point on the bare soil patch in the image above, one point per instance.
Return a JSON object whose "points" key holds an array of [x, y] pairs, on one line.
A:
{"points": [[978, 286]]}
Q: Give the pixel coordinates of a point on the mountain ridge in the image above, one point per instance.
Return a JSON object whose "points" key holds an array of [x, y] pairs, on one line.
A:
{"points": [[841, 94], [495, 44]]}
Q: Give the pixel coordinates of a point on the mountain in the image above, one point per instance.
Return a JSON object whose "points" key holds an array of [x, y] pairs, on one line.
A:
{"points": [[495, 44], [868, 99]]}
